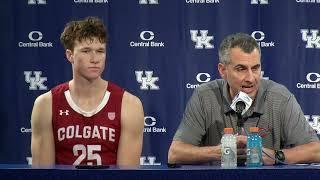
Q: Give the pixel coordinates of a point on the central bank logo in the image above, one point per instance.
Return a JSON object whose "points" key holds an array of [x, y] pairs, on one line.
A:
{"points": [[35, 38], [25, 130], [313, 79], [32, 2], [259, 36], [35, 80], [149, 161], [314, 121], [201, 78], [148, 1], [202, 1], [147, 40], [150, 126], [147, 81], [91, 1], [201, 39], [259, 2], [311, 37]]}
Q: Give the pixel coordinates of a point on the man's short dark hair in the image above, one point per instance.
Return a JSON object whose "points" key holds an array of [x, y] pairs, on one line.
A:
{"points": [[241, 40]]}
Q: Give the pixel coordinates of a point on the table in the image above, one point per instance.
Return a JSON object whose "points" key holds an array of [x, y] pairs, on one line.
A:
{"points": [[26, 172]]}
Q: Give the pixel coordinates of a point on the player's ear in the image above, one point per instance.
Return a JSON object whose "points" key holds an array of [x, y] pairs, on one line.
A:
{"points": [[69, 55]]}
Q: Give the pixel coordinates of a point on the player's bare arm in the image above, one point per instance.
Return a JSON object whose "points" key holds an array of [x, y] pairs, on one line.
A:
{"points": [[131, 138], [42, 143]]}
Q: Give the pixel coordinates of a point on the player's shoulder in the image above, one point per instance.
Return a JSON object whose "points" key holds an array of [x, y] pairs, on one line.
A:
{"points": [[131, 100], [44, 99]]}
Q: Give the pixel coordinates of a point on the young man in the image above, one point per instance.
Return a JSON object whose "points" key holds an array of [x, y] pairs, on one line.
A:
{"points": [[287, 135], [88, 120]]}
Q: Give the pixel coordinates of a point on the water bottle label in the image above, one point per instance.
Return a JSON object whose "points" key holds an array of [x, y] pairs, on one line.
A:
{"points": [[228, 154], [253, 155]]}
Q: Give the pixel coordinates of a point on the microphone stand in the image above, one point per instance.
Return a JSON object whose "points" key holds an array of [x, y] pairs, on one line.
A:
{"points": [[241, 160], [239, 123]]}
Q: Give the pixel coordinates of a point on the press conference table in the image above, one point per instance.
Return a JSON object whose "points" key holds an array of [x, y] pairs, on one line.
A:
{"points": [[25, 172]]}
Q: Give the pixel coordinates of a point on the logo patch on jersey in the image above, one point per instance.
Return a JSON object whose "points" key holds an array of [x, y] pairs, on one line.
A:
{"points": [[111, 115], [66, 112]]}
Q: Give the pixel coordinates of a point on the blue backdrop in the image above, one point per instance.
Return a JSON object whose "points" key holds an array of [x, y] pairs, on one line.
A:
{"points": [[159, 50]]}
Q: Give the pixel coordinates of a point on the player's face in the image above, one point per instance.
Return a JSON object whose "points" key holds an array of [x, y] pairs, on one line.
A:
{"points": [[243, 72], [88, 58]]}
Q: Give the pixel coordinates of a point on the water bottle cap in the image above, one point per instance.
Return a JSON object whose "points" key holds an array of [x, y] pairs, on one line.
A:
{"points": [[254, 129], [228, 130]]}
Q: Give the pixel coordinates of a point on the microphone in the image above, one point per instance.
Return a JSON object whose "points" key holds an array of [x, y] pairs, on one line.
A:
{"points": [[240, 106], [241, 103]]}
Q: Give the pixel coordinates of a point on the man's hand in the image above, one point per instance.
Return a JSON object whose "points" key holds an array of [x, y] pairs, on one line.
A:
{"points": [[266, 159]]}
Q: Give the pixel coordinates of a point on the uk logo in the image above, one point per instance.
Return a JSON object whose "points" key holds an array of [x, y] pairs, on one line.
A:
{"points": [[148, 1], [36, 82], [259, 2], [149, 160], [202, 40], [66, 112], [311, 37], [111, 115], [314, 121], [29, 160], [147, 81], [37, 2]]}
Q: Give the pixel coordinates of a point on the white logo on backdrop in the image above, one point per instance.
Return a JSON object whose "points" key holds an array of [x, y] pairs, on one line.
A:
{"points": [[259, 2], [25, 130], [35, 35], [37, 2], [147, 37], [202, 1], [311, 37], [147, 81], [314, 122], [29, 160], [148, 1], [259, 36], [201, 78], [91, 1], [150, 123], [314, 81], [149, 160], [202, 41], [35, 81], [35, 38]]}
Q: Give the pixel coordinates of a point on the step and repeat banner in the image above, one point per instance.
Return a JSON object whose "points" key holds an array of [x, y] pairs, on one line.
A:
{"points": [[159, 50]]}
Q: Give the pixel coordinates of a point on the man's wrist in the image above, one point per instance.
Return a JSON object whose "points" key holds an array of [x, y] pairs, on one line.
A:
{"points": [[279, 157]]}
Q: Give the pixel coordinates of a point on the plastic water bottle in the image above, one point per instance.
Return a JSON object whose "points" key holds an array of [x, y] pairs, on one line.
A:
{"points": [[254, 148], [228, 149]]}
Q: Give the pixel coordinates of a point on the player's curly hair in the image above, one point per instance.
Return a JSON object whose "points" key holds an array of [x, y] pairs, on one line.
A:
{"points": [[88, 28]]}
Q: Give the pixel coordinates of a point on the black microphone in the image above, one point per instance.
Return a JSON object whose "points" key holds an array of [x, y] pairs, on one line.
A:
{"points": [[240, 106]]}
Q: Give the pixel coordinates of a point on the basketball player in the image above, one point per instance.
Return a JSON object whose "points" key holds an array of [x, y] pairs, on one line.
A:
{"points": [[88, 120]]}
